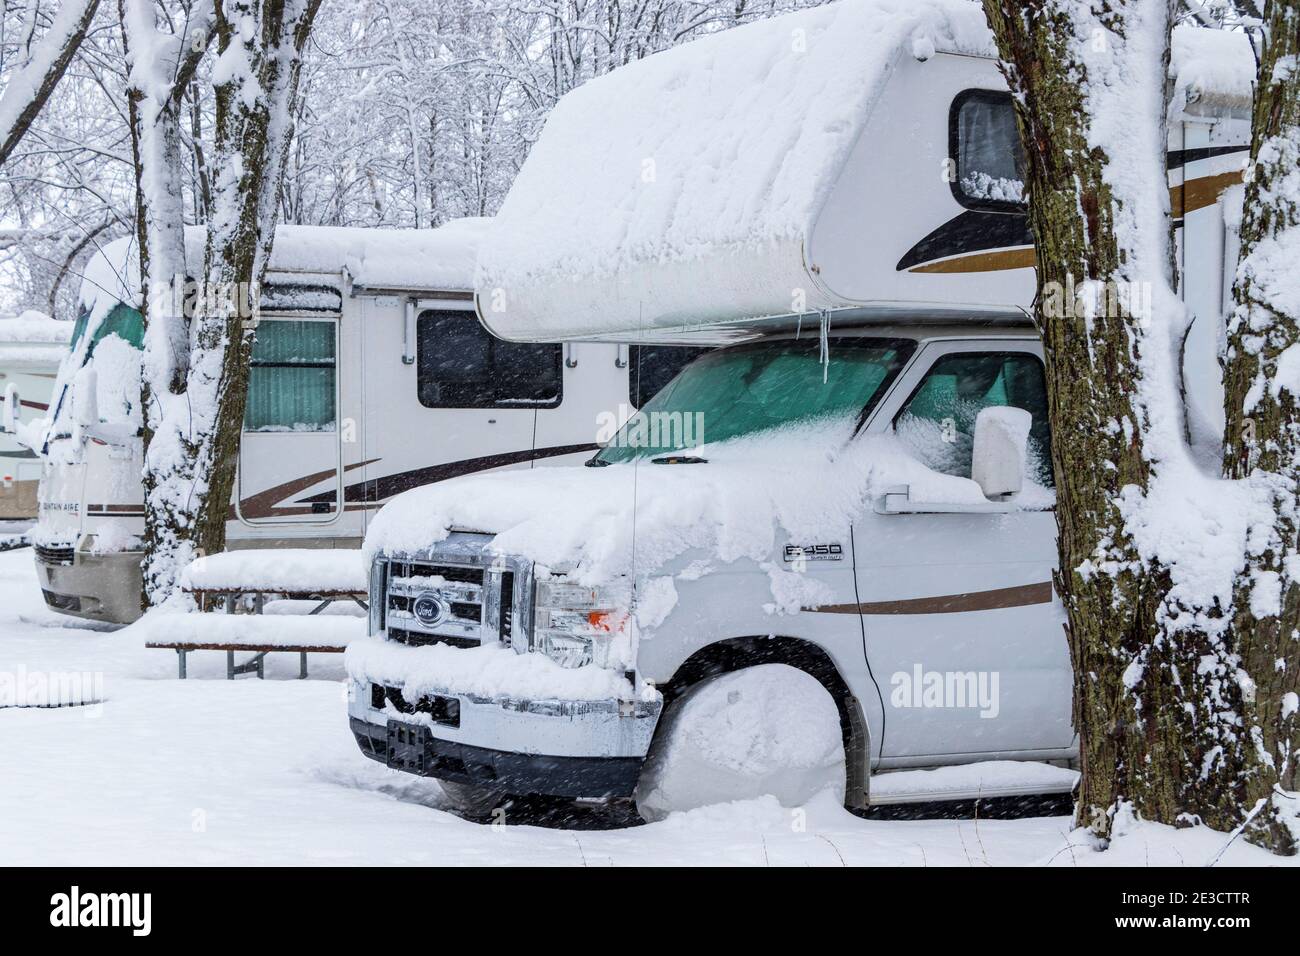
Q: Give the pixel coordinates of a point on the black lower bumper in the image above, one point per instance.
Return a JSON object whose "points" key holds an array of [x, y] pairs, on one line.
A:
{"points": [[513, 773]]}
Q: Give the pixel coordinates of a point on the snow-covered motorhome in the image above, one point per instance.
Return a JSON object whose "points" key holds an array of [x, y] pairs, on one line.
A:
{"points": [[32, 345], [838, 194], [371, 374]]}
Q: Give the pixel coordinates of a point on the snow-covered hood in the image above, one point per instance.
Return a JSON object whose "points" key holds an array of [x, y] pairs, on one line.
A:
{"points": [[751, 496]]}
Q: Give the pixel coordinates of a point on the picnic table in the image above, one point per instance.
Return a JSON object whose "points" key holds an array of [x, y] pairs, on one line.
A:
{"points": [[244, 581]]}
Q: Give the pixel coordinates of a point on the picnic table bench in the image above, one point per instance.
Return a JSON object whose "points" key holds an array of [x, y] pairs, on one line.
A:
{"points": [[237, 580]]}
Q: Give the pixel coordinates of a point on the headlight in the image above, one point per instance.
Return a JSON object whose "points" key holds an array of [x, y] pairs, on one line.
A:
{"points": [[378, 596], [579, 625]]}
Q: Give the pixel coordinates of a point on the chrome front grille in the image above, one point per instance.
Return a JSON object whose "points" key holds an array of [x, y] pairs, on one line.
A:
{"points": [[456, 594], [54, 557]]}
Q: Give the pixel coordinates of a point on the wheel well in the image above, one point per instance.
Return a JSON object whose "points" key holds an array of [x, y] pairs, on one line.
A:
{"points": [[737, 653]]}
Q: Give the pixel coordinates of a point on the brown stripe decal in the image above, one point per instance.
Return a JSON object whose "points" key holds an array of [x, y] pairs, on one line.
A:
{"points": [[382, 488], [1022, 258], [262, 504], [1021, 596]]}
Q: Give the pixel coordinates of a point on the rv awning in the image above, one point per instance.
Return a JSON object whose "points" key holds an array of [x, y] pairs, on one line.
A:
{"points": [[419, 260], [681, 192]]}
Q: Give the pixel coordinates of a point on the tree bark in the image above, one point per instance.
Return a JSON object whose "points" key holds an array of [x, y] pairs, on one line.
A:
{"points": [[251, 152], [1089, 82], [197, 345], [1262, 438]]}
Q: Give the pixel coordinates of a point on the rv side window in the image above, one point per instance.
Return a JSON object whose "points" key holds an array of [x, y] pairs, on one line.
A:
{"points": [[938, 421], [291, 377], [651, 367], [984, 145], [459, 364]]}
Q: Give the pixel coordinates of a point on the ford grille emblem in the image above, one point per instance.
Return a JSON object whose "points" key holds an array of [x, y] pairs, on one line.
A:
{"points": [[430, 609]]}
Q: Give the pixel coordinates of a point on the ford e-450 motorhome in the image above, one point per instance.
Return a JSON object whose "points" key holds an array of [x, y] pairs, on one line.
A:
{"points": [[371, 374], [824, 552]]}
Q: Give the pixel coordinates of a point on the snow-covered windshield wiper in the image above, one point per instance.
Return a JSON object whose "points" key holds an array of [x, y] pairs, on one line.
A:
{"points": [[596, 462], [679, 460]]}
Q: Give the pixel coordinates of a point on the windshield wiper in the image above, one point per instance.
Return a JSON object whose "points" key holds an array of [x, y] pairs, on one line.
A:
{"points": [[596, 462], [679, 460]]}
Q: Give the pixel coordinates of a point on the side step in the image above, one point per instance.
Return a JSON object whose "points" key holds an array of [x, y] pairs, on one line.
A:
{"points": [[992, 778]]}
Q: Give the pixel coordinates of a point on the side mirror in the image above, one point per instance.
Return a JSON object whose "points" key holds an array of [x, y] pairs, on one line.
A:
{"points": [[85, 398], [998, 456], [13, 406]]}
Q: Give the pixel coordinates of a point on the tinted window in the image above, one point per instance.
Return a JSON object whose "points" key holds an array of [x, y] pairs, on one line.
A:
{"points": [[985, 144], [651, 367], [938, 421], [291, 377], [459, 364]]}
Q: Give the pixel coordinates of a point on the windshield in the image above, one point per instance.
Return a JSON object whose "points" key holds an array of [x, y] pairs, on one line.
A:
{"points": [[758, 387]]}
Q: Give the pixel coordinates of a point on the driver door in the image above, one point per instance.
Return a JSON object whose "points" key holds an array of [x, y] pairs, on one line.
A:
{"points": [[962, 631]]}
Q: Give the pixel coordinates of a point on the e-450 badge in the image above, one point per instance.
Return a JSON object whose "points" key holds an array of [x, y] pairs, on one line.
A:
{"points": [[813, 552]]}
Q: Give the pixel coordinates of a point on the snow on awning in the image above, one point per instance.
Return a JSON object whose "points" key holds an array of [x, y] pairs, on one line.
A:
{"points": [[33, 340], [34, 328], [432, 260], [397, 259]]}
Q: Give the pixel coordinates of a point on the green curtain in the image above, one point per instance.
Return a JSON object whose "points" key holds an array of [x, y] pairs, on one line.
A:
{"points": [[291, 379]]}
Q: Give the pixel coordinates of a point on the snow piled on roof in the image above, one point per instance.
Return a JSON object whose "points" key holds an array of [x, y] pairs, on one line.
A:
{"points": [[35, 328], [1212, 61], [730, 141], [111, 275], [715, 158]]}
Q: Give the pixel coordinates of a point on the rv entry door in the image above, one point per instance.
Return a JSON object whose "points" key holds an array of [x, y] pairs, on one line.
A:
{"points": [[290, 464]]}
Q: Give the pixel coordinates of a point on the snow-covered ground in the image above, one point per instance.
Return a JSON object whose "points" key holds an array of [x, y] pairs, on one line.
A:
{"points": [[210, 771]]}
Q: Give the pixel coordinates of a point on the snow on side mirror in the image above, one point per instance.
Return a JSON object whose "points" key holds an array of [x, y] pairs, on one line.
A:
{"points": [[998, 456], [85, 398], [9, 419]]}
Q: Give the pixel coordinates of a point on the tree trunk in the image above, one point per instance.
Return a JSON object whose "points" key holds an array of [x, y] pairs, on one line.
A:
{"points": [[195, 363], [251, 152], [1262, 439], [154, 115], [1090, 84]]}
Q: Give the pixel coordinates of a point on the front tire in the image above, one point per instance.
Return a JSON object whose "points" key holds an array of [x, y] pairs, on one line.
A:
{"points": [[471, 801], [769, 729]]}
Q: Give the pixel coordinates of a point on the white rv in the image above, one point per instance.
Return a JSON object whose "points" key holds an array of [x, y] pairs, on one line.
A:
{"points": [[371, 374], [32, 346], [852, 573]]}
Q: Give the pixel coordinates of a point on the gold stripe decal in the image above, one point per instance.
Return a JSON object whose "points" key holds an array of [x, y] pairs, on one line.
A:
{"points": [[1021, 596], [1192, 195], [1198, 193]]}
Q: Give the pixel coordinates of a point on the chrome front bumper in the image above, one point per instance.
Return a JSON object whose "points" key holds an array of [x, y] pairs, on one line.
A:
{"points": [[98, 587]]}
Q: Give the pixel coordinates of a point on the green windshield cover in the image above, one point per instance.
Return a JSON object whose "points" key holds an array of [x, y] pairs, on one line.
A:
{"points": [[755, 388], [122, 321]]}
